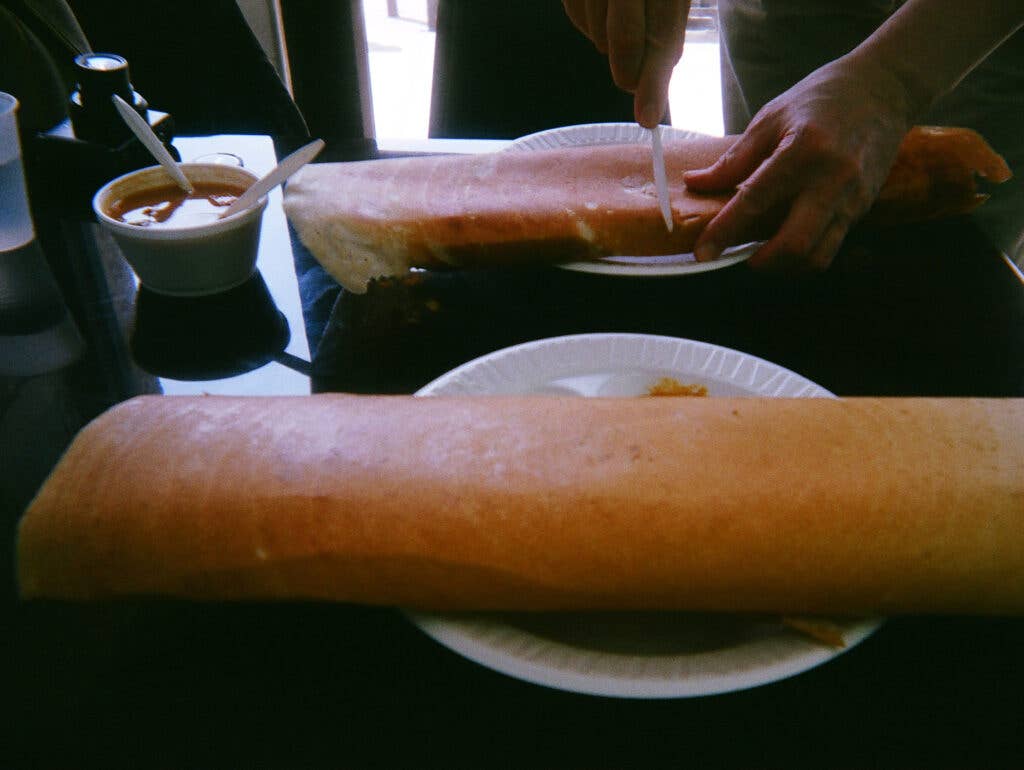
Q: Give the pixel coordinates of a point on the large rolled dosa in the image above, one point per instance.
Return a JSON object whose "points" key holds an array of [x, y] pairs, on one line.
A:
{"points": [[380, 218], [539, 503]]}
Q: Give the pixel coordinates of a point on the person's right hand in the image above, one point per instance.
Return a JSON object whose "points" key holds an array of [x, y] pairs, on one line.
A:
{"points": [[643, 40]]}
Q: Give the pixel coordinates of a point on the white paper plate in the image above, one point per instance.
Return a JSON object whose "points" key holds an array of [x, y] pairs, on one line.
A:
{"points": [[638, 655], [628, 133]]}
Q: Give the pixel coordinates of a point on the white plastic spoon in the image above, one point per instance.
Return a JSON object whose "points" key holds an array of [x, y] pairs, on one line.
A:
{"points": [[141, 128], [276, 176]]}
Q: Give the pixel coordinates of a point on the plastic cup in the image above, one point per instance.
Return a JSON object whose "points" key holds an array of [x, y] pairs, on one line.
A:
{"points": [[188, 260], [15, 218]]}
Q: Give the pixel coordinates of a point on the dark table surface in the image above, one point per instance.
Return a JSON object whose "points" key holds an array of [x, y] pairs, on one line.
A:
{"points": [[924, 310]]}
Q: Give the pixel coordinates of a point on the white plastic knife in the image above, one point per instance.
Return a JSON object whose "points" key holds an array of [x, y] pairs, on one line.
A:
{"points": [[660, 181]]}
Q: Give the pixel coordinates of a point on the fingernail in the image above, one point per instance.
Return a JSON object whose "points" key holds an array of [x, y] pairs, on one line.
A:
{"points": [[650, 116], [706, 252]]}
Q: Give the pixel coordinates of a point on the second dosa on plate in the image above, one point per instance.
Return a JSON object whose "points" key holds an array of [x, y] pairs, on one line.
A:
{"points": [[370, 219]]}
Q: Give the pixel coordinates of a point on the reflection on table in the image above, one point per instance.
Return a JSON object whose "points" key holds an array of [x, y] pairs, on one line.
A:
{"points": [[211, 337]]}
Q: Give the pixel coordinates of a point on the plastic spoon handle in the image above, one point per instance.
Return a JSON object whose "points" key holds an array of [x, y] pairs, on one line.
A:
{"points": [[276, 176], [141, 128]]}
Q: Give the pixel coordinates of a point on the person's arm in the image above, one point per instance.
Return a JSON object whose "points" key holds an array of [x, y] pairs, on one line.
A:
{"points": [[812, 161], [643, 41], [931, 45]]}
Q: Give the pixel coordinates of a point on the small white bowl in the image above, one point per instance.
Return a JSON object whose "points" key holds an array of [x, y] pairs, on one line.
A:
{"points": [[190, 260]]}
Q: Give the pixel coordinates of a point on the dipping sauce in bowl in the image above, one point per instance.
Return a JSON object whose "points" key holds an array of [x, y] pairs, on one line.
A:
{"points": [[173, 207], [177, 244]]}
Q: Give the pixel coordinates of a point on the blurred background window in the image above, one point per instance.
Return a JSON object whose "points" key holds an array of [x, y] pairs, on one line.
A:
{"points": [[400, 36]]}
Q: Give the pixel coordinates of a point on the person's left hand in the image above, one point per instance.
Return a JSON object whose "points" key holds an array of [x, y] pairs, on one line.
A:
{"points": [[810, 164], [643, 40]]}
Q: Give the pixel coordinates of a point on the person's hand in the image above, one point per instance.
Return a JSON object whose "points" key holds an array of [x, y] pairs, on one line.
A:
{"points": [[643, 40], [810, 164]]}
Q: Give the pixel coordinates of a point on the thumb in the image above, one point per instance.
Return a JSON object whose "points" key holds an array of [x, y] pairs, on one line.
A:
{"points": [[732, 167]]}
